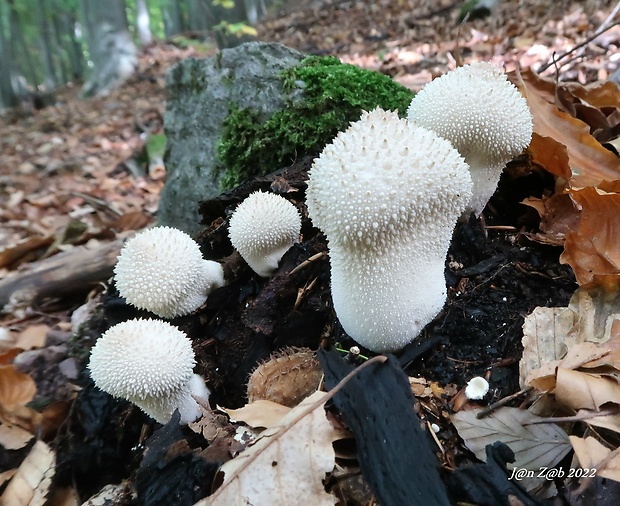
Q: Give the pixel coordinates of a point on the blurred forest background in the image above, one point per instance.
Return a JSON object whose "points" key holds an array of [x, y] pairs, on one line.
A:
{"points": [[45, 44]]}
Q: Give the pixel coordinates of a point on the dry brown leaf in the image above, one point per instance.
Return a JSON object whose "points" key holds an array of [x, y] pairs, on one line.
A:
{"points": [[30, 485], [546, 338], [580, 390], [590, 162], [592, 248], [16, 388], [551, 155], [558, 217], [593, 455], [11, 255], [286, 465], [544, 378], [13, 437], [600, 94], [534, 445], [259, 413], [592, 316], [32, 337]]}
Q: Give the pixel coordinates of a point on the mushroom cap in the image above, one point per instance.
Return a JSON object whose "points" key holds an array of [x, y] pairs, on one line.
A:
{"points": [[483, 115], [478, 110], [387, 195], [149, 363], [142, 358], [162, 270], [476, 388], [262, 228], [376, 180]]}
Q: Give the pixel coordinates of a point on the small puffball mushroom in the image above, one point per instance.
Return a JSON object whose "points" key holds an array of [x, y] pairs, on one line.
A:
{"points": [[149, 363], [387, 195], [483, 115], [162, 270], [476, 388], [262, 228]]}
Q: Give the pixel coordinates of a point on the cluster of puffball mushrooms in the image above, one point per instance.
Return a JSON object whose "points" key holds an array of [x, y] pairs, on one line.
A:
{"points": [[387, 193]]}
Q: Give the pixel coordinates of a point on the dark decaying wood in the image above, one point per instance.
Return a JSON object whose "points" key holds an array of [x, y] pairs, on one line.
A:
{"points": [[392, 448]]}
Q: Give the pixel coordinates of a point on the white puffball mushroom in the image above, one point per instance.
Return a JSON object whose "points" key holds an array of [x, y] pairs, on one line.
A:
{"points": [[162, 270], [262, 228], [483, 115], [387, 195], [149, 363], [476, 388]]}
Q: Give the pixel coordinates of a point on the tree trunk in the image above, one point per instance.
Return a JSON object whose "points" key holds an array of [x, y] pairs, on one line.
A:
{"points": [[112, 52], [143, 22], [8, 98], [76, 56], [47, 47], [171, 13]]}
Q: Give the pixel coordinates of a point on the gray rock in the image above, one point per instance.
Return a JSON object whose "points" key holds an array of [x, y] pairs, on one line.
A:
{"points": [[200, 95]]}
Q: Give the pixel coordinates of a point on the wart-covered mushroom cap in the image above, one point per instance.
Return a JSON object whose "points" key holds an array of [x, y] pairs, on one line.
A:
{"points": [[149, 363], [483, 115], [262, 228], [162, 270], [387, 195]]}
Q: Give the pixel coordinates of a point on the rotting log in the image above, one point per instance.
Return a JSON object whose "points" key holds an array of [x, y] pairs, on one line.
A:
{"points": [[68, 273]]}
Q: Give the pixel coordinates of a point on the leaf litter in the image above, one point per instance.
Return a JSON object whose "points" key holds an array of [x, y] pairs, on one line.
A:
{"points": [[91, 195]]}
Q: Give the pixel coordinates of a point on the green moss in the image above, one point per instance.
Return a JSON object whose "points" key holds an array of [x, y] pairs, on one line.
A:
{"points": [[334, 94]]}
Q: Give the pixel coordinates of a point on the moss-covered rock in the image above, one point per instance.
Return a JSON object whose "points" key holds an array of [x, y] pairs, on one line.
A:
{"points": [[333, 95]]}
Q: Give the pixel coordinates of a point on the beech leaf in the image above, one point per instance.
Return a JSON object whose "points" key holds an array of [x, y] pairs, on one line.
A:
{"points": [[534, 445], [30, 484], [286, 465]]}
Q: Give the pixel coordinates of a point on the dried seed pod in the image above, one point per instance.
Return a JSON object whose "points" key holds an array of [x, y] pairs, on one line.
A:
{"points": [[287, 377]]}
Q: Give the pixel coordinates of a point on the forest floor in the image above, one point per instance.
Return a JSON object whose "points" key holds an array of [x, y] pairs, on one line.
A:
{"points": [[75, 177]]}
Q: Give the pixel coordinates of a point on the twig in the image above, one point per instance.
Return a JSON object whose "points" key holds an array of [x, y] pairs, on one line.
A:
{"points": [[576, 418], [502, 402], [605, 26]]}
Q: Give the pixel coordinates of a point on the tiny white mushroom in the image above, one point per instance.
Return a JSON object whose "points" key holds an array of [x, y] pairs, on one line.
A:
{"points": [[476, 388], [262, 228], [162, 270], [149, 363], [387, 195], [483, 115]]}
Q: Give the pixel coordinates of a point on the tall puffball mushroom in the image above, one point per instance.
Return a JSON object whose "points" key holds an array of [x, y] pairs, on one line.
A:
{"points": [[387, 195], [262, 228], [162, 270], [483, 115], [149, 363]]}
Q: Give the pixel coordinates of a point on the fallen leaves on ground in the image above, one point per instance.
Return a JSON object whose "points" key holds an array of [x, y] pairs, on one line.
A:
{"points": [[535, 445], [286, 465]]}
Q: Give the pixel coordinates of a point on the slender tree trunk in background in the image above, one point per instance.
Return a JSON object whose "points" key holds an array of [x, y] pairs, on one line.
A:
{"points": [[143, 22], [23, 60], [198, 16], [76, 56], [47, 47], [8, 98], [62, 50], [171, 12], [113, 53]]}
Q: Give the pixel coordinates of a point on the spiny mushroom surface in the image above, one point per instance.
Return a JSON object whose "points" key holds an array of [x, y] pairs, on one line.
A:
{"points": [[262, 228], [162, 270], [387, 195], [149, 363], [483, 115]]}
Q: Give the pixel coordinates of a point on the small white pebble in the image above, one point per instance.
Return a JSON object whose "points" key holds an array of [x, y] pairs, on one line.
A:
{"points": [[435, 428], [476, 388]]}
